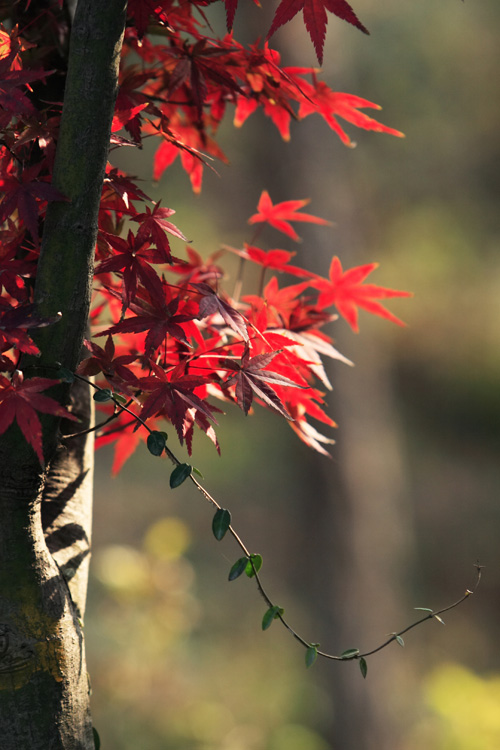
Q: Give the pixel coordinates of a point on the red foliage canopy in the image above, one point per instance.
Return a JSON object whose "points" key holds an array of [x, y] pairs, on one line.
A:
{"points": [[175, 336]]}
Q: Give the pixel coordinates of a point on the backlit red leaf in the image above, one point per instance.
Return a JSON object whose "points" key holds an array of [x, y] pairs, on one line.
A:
{"points": [[315, 18], [280, 214], [347, 292]]}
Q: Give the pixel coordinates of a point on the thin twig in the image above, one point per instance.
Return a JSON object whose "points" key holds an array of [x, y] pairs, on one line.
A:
{"points": [[352, 655]]}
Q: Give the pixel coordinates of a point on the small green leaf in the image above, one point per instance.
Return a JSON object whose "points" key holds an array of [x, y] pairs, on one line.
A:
{"points": [[273, 613], [351, 653], [221, 522], [238, 568], [103, 394], [198, 472], [97, 739], [179, 475], [363, 667], [423, 609], [119, 398], [156, 442], [400, 640], [311, 655], [65, 375], [439, 619], [251, 570]]}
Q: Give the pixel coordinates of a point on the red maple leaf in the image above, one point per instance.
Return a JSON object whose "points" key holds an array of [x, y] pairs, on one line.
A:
{"points": [[23, 195], [280, 214], [278, 303], [133, 259], [250, 377], [172, 395], [315, 18], [347, 292], [154, 226], [320, 99], [113, 368], [212, 304], [158, 317], [21, 400]]}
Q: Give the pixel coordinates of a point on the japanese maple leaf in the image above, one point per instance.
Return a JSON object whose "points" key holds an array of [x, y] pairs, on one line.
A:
{"points": [[231, 6], [119, 184], [198, 66], [21, 400], [212, 304], [315, 18], [159, 318], [276, 259], [133, 258], [172, 395], [251, 377], [306, 432], [142, 10], [23, 195], [278, 302], [320, 99], [198, 269], [347, 292], [154, 226], [280, 214], [113, 368]]}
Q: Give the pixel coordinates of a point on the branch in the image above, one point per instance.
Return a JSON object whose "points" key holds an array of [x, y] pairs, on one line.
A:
{"points": [[251, 563]]}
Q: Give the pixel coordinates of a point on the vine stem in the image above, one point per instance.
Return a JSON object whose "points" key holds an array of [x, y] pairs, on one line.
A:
{"points": [[352, 654]]}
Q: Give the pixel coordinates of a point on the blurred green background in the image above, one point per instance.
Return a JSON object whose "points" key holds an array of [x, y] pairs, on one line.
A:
{"points": [[409, 500]]}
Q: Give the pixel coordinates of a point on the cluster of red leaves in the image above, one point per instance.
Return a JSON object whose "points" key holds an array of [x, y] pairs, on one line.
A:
{"points": [[177, 337]]}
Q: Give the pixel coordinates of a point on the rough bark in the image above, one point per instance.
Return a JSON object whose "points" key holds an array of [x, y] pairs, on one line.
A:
{"points": [[44, 696]]}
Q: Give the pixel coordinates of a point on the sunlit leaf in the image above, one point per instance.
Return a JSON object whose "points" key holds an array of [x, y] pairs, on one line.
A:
{"points": [[254, 564], [351, 653], [273, 613]]}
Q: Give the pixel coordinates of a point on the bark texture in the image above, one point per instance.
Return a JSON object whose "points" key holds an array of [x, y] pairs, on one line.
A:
{"points": [[45, 529]]}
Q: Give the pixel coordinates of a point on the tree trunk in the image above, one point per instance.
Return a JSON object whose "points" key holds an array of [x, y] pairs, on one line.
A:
{"points": [[44, 695]]}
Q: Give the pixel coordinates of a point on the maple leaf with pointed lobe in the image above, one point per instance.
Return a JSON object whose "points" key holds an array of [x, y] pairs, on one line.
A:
{"points": [[133, 259], [21, 400], [23, 195], [212, 304], [279, 303], [172, 395], [347, 292], [320, 99], [154, 226], [315, 18], [113, 368], [280, 214], [251, 377], [198, 269], [276, 259], [159, 317]]}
